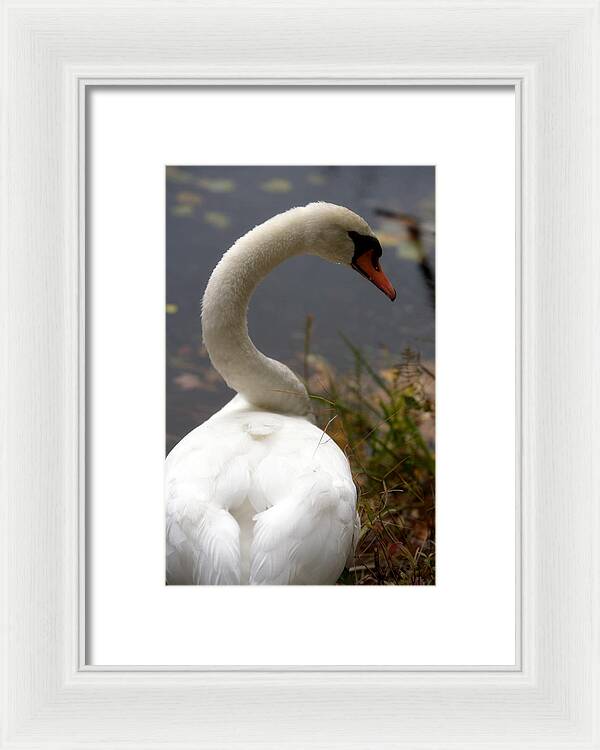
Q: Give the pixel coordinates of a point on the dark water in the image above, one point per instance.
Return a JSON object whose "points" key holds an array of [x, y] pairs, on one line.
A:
{"points": [[208, 208]]}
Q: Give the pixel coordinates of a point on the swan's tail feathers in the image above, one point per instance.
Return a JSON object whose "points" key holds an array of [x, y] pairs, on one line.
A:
{"points": [[203, 548]]}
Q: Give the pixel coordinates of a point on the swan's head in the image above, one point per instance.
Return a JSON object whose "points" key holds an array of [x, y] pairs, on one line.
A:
{"points": [[339, 235]]}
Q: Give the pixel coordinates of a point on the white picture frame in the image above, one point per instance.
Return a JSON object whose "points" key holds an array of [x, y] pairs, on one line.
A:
{"points": [[548, 50]]}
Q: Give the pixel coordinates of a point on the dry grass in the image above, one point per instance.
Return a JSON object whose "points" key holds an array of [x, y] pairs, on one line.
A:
{"points": [[383, 419]]}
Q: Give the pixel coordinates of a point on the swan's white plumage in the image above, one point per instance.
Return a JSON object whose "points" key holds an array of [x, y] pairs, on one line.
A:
{"points": [[258, 494], [260, 498]]}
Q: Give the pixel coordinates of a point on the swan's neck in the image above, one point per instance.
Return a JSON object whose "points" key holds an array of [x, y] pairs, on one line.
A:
{"points": [[264, 382]]}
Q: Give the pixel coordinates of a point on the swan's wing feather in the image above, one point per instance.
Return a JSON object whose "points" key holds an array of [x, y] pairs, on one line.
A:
{"points": [[179, 555], [202, 546], [217, 545], [306, 536], [203, 481]]}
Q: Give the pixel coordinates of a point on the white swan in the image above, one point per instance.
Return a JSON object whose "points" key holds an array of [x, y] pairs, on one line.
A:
{"points": [[258, 494]]}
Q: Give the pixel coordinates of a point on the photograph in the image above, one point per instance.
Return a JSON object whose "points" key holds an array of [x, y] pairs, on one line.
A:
{"points": [[300, 375]]}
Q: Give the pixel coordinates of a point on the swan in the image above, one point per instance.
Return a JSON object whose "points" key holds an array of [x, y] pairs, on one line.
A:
{"points": [[258, 494]]}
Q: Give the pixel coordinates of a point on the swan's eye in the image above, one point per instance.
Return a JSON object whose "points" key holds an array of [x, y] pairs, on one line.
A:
{"points": [[364, 243]]}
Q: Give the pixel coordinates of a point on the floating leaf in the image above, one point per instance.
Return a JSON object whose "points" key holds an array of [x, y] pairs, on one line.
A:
{"points": [[188, 198], [171, 308], [276, 185], [187, 381], [314, 178], [177, 174], [216, 185], [182, 210], [217, 219]]}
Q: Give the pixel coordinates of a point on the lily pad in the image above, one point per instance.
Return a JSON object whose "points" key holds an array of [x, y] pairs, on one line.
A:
{"points": [[217, 219], [276, 185], [216, 185], [182, 209]]}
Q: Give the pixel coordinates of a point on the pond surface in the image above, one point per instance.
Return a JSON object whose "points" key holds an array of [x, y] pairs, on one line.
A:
{"points": [[208, 208]]}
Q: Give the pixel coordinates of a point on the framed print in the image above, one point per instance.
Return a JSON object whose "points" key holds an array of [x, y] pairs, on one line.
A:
{"points": [[377, 522], [136, 221]]}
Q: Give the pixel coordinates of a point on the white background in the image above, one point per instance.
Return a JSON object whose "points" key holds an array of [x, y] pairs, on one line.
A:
{"points": [[468, 618]]}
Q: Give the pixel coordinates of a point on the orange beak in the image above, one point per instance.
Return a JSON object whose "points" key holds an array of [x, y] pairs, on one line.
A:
{"points": [[367, 264]]}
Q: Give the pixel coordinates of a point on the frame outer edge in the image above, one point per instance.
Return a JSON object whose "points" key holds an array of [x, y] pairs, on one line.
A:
{"points": [[46, 704]]}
